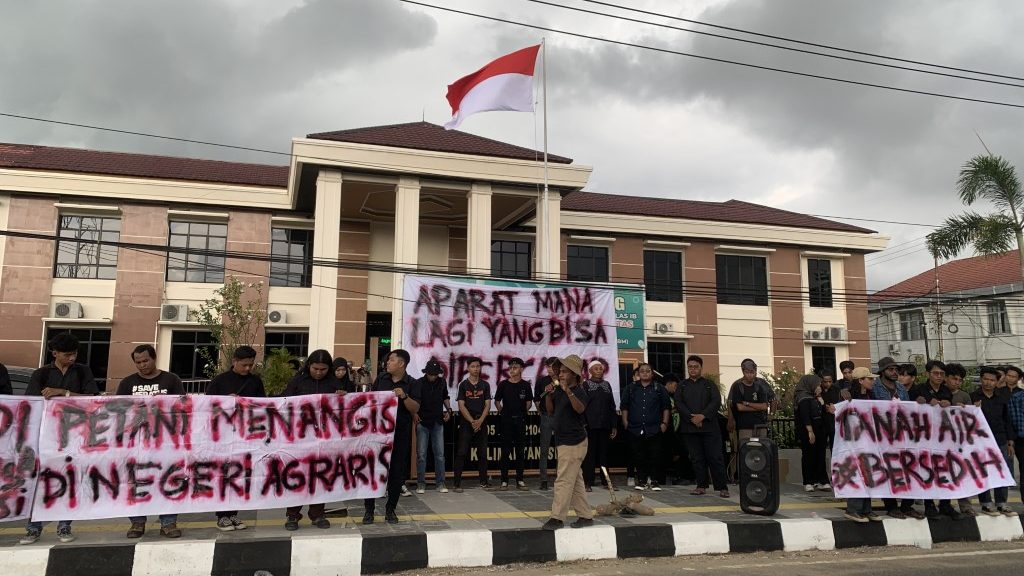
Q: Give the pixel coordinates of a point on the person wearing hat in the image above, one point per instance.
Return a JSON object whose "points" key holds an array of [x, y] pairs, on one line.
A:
{"points": [[749, 400], [859, 509], [567, 403], [512, 399], [435, 410]]}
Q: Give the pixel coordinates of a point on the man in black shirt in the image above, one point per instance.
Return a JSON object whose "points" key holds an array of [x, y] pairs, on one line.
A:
{"points": [[239, 381], [749, 399], [512, 399], [474, 404], [936, 393], [645, 410], [547, 422], [698, 401], [996, 409], [435, 410], [61, 378], [407, 389], [567, 403], [149, 380]]}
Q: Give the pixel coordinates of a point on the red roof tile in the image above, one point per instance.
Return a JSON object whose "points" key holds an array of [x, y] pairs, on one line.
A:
{"points": [[729, 211], [427, 136], [957, 276], [140, 165]]}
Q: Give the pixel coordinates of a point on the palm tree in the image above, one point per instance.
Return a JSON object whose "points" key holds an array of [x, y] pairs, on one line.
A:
{"points": [[993, 179]]}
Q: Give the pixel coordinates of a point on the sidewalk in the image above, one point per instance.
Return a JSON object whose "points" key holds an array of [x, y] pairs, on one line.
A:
{"points": [[476, 528]]}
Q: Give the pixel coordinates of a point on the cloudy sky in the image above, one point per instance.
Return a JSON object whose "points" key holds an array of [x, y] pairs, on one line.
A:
{"points": [[259, 72]]}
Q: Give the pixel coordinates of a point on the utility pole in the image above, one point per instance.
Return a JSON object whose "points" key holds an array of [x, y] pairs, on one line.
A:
{"points": [[938, 312]]}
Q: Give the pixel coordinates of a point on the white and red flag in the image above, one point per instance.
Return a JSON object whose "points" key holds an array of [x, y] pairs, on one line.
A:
{"points": [[504, 84]]}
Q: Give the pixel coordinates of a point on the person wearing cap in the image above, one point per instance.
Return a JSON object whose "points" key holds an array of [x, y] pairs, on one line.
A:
{"points": [[749, 400], [859, 509], [435, 410], [567, 403], [512, 399], [547, 422]]}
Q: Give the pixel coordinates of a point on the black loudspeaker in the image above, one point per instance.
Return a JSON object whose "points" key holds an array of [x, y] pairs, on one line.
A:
{"points": [[759, 476]]}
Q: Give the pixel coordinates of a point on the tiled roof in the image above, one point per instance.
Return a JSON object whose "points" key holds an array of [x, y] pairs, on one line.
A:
{"points": [[973, 273], [49, 158], [427, 136], [729, 211]]}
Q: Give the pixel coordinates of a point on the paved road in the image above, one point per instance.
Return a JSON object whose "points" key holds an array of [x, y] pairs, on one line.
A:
{"points": [[976, 559]]}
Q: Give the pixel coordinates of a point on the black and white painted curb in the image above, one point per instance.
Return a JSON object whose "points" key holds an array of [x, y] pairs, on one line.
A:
{"points": [[351, 554]]}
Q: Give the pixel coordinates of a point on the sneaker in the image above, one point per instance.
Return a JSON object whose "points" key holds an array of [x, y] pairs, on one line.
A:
{"points": [[873, 517], [826, 487], [442, 489], [639, 487], [856, 517], [368, 517], [1006, 511], [543, 486], [808, 487], [504, 486], [238, 524], [391, 517], [138, 530], [291, 524], [405, 491], [552, 524], [421, 489], [654, 486], [485, 485], [520, 485], [895, 513], [30, 537], [170, 531], [990, 511], [630, 482], [322, 523], [224, 524], [582, 523], [914, 513], [64, 534]]}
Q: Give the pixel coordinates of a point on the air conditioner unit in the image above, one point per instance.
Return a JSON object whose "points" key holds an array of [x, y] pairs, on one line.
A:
{"points": [[277, 317], [813, 335], [68, 309], [837, 333], [662, 328], [894, 349], [174, 313]]}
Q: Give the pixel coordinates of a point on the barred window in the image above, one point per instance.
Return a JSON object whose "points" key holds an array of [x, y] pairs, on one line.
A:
{"points": [[197, 252], [742, 279], [291, 253], [87, 247]]}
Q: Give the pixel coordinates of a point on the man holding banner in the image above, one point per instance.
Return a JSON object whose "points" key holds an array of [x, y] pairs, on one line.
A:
{"points": [[996, 410]]}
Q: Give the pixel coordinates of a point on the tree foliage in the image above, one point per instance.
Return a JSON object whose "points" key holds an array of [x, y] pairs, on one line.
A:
{"points": [[234, 316]]}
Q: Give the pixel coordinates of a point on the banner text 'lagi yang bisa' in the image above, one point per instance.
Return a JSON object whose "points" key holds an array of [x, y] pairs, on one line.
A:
{"points": [[451, 321], [135, 456], [19, 443]]}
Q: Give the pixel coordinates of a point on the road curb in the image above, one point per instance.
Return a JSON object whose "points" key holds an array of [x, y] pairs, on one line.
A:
{"points": [[353, 554]]}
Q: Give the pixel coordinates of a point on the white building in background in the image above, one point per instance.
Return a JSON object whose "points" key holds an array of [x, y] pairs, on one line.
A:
{"points": [[975, 317]]}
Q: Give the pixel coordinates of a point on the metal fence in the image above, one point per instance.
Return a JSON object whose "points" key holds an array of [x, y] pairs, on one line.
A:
{"points": [[196, 386], [783, 432]]}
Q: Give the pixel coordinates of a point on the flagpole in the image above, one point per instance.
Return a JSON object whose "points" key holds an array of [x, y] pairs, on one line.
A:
{"points": [[544, 209]]}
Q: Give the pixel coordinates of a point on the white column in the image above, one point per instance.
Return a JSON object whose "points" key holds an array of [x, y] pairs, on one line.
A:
{"points": [[323, 297], [549, 243], [407, 245], [478, 229]]}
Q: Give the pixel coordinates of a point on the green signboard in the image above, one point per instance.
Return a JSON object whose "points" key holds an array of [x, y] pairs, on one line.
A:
{"points": [[629, 319]]}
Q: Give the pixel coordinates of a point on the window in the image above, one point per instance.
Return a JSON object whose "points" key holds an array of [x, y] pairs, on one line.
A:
{"points": [[742, 279], [297, 343], [87, 247], [197, 252], [824, 357], [93, 349], [291, 253], [819, 280], [998, 319], [663, 276], [186, 360], [510, 259], [587, 264], [912, 325], [667, 357]]}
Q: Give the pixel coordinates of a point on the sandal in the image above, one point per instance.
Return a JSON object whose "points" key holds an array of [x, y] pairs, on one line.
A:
{"points": [[698, 492]]}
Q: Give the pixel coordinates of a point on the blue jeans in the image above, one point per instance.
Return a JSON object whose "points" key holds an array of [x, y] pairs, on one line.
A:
{"points": [[38, 526], [165, 519], [1001, 493], [436, 434]]}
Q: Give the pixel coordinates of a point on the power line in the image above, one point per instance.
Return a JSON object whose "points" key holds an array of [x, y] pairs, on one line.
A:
{"points": [[776, 46], [713, 59], [802, 42]]}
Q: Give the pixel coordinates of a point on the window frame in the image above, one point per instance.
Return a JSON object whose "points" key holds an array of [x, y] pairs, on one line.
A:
{"points": [[737, 293], [593, 263], [830, 359], [181, 258], [286, 279], [817, 285], [670, 290], [908, 328], [500, 271], [196, 358], [998, 316], [676, 358], [72, 270], [291, 347]]}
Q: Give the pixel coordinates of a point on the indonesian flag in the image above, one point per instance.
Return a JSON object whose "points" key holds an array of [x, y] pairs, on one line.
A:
{"points": [[504, 84]]}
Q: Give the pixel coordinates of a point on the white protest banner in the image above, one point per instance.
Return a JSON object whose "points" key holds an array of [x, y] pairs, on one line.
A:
{"points": [[134, 456], [451, 320], [19, 445], [889, 449]]}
